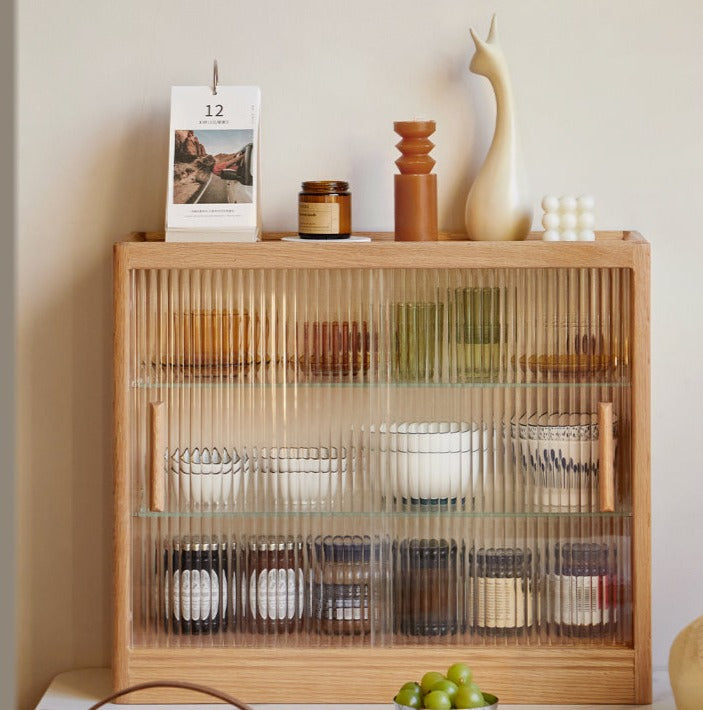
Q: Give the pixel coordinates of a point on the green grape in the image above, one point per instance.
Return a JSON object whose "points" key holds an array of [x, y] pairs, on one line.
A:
{"points": [[459, 673], [410, 698], [446, 686], [415, 687], [468, 697], [437, 700], [429, 679]]}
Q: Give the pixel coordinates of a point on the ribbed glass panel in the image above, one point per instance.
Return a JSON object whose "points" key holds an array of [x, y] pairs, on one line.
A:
{"points": [[381, 457]]}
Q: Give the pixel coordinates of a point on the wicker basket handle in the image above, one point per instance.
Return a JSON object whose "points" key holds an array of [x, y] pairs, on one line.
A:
{"points": [[174, 684]]}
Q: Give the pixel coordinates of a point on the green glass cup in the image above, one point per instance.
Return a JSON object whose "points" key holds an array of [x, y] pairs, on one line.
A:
{"points": [[418, 348], [477, 323]]}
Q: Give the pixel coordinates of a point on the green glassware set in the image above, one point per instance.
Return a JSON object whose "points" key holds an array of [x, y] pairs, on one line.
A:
{"points": [[460, 336]]}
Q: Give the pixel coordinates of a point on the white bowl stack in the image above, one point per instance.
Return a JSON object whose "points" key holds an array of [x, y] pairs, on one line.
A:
{"points": [[204, 478], [432, 463], [296, 476]]}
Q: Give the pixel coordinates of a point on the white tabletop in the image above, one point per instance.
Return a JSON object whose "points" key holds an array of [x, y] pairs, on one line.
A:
{"points": [[78, 690]]}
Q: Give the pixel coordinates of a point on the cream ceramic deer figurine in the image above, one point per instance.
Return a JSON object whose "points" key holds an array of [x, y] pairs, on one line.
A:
{"points": [[498, 207]]}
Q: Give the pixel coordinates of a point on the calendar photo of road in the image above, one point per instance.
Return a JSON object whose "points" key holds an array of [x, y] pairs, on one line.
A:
{"points": [[213, 166]]}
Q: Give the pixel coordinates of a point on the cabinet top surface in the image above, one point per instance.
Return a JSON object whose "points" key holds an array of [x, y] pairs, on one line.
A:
{"points": [[611, 249]]}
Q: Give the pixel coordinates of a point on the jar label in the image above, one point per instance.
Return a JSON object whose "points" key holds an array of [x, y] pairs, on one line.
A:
{"points": [[344, 602], [223, 590], [205, 595], [581, 600], [275, 595], [318, 218], [176, 595], [167, 598], [500, 602], [214, 595], [185, 595]]}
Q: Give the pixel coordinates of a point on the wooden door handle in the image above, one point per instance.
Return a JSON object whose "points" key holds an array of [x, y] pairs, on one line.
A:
{"points": [[606, 452], [156, 457]]}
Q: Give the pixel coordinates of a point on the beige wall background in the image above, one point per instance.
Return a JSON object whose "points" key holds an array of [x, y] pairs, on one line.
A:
{"points": [[7, 348], [610, 102]]}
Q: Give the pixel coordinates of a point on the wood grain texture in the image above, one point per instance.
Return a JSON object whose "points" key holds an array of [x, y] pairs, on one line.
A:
{"points": [[556, 674], [641, 465], [606, 452], [363, 675], [380, 253], [122, 552], [157, 491], [389, 236]]}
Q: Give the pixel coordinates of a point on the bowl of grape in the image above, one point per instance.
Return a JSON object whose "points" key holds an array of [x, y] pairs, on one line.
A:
{"points": [[436, 691]]}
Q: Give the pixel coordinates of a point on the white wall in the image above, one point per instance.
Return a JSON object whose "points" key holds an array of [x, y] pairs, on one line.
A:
{"points": [[610, 102]]}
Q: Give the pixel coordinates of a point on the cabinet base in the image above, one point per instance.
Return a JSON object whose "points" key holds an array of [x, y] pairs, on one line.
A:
{"points": [[363, 675]]}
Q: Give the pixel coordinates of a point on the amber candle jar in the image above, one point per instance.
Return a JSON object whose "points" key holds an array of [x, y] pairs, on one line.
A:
{"points": [[324, 210], [276, 583]]}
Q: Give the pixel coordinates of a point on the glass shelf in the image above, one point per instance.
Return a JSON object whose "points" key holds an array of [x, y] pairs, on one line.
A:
{"points": [[215, 384], [379, 515]]}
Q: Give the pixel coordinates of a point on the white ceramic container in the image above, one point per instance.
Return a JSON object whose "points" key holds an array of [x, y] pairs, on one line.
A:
{"points": [[430, 436], [298, 476], [205, 479], [298, 458], [432, 462]]}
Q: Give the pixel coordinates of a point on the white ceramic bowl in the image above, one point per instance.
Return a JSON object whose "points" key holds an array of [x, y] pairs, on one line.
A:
{"points": [[298, 488], [431, 461], [298, 458], [433, 475], [298, 476], [560, 452], [204, 479], [430, 436]]}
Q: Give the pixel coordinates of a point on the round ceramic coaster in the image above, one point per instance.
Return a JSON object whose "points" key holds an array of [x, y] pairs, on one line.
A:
{"points": [[326, 241]]}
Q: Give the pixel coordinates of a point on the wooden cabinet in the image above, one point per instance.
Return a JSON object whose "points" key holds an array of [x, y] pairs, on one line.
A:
{"points": [[341, 465]]}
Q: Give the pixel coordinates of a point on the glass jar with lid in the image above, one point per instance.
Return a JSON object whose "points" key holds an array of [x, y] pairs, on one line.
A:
{"points": [[501, 598], [429, 587], [583, 589], [276, 583], [324, 210], [350, 576]]}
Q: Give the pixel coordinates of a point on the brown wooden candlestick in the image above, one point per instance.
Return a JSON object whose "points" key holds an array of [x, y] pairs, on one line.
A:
{"points": [[415, 187]]}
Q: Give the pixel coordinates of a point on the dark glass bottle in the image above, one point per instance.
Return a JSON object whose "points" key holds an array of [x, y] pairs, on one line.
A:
{"points": [[209, 591], [191, 587], [186, 585], [428, 591], [276, 589], [500, 598], [221, 619], [173, 591], [171, 588]]}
